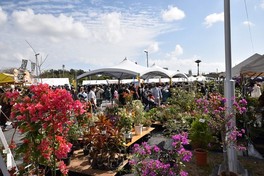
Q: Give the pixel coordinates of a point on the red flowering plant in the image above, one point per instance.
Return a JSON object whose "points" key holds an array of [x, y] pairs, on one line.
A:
{"points": [[221, 121], [155, 161], [44, 116]]}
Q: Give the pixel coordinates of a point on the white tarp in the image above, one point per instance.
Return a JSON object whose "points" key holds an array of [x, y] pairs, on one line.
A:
{"points": [[253, 64], [124, 70], [55, 81], [128, 69], [254, 68]]}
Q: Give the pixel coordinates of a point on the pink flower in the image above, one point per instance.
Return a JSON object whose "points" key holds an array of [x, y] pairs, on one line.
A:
{"points": [[63, 168]]}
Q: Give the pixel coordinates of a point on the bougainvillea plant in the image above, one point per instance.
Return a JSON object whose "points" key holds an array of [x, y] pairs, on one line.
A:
{"points": [[152, 161], [215, 107], [43, 116]]}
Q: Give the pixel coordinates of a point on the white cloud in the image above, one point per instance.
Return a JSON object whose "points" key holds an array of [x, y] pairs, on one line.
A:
{"points": [[153, 47], [248, 23], [178, 51], [186, 64], [3, 16], [262, 4], [49, 25], [213, 18], [113, 29], [172, 14]]}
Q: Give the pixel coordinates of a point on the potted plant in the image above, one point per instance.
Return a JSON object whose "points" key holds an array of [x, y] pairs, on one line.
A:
{"points": [[138, 114], [43, 116], [148, 121], [200, 136], [105, 145], [125, 123], [221, 121], [153, 160]]}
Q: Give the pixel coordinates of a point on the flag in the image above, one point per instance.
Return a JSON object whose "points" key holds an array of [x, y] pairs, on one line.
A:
{"points": [[33, 66], [24, 64]]}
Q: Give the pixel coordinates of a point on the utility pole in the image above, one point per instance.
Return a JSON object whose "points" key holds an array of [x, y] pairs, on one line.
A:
{"points": [[229, 87], [147, 57], [63, 66]]}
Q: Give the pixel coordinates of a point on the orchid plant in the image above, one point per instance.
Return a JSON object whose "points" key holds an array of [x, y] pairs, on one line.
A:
{"points": [[153, 161], [43, 116]]}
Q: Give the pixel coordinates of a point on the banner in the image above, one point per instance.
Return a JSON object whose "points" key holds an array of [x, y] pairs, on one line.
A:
{"points": [[33, 66], [24, 64]]}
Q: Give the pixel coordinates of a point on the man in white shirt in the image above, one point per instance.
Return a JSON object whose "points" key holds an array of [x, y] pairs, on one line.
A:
{"points": [[92, 97]]}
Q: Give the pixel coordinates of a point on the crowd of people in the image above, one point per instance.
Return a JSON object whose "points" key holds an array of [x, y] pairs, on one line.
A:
{"points": [[151, 95]]}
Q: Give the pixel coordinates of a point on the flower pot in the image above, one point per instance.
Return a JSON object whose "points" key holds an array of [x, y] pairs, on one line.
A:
{"points": [[138, 129], [223, 173], [201, 157], [128, 136]]}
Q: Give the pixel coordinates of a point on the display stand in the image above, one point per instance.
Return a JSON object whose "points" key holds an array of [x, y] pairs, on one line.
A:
{"points": [[10, 161], [80, 164]]}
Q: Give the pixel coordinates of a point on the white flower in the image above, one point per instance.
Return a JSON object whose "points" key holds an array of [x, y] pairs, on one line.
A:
{"points": [[202, 120]]}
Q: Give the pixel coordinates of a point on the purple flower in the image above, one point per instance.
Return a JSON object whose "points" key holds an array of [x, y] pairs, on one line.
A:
{"points": [[156, 148], [176, 137], [183, 173]]}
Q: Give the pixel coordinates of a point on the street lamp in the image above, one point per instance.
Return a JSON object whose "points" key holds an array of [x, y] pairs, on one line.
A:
{"points": [[198, 61], [63, 66], [147, 56]]}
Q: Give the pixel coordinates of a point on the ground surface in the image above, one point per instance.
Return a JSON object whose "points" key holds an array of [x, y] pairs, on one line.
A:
{"points": [[254, 165]]}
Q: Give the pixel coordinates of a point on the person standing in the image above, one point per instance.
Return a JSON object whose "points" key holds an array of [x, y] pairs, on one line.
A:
{"points": [[82, 95], [256, 92], [92, 98], [156, 92]]}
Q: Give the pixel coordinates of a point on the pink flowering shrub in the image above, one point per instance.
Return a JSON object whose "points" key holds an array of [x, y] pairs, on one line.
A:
{"points": [[223, 120], [152, 161], [43, 117], [215, 108]]}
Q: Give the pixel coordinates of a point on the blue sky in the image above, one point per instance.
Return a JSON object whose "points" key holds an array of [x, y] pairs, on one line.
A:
{"points": [[92, 34]]}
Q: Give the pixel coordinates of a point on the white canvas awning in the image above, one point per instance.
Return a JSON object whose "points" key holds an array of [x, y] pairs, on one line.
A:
{"points": [[252, 66], [55, 81], [124, 70]]}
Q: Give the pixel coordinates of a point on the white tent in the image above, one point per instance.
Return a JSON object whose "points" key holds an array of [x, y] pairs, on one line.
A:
{"points": [[125, 69], [199, 78], [55, 81], [254, 64], [254, 68], [128, 69], [155, 71]]}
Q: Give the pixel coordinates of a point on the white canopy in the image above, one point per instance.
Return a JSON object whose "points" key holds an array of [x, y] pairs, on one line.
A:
{"points": [[253, 66], [128, 69], [125, 69], [55, 81], [155, 71]]}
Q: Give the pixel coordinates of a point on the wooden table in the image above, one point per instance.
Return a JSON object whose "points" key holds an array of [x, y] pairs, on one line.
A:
{"points": [[137, 137], [80, 163]]}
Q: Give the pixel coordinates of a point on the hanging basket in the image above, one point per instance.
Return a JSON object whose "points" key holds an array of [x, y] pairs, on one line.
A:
{"points": [[201, 157]]}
